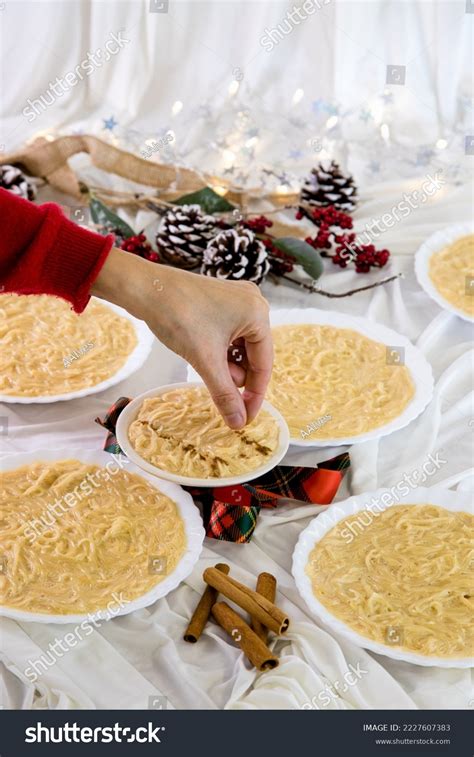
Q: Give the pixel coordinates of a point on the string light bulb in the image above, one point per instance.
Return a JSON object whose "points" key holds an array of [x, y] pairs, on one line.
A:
{"points": [[442, 143], [177, 107], [228, 158], [376, 109], [298, 96], [220, 190]]}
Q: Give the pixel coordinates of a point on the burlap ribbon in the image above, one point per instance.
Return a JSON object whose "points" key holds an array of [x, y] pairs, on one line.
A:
{"points": [[49, 160]]}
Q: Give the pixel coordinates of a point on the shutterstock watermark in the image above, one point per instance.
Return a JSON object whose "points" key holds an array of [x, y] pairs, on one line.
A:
{"points": [[351, 677], [37, 526], [410, 481], [70, 733], [58, 648], [411, 201], [62, 84], [274, 36]]}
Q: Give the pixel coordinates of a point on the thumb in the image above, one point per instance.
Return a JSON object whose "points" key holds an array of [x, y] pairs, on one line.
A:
{"points": [[224, 393]]}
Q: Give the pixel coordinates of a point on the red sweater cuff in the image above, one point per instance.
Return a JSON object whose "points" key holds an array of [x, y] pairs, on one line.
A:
{"points": [[43, 252], [74, 262]]}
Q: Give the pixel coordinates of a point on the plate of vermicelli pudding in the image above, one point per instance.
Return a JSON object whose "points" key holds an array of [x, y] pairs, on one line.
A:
{"points": [[87, 534], [50, 353], [394, 573], [444, 267], [176, 432], [339, 379]]}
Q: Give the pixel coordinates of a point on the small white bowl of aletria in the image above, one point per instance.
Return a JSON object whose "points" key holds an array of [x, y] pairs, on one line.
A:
{"points": [[176, 432]]}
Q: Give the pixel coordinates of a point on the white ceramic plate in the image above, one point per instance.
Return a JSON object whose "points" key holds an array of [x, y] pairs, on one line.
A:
{"points": [[187, 509], [433, 244], [134, 361], [128, 415], [450, 500], [415, 361]]}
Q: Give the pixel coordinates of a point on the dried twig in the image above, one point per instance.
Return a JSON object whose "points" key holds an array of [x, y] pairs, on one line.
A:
{"points": [[313, 287]]}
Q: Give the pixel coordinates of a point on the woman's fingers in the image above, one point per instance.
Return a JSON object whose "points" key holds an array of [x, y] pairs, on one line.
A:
{"points": [[215, 372], [259, 350], [238, 374]]}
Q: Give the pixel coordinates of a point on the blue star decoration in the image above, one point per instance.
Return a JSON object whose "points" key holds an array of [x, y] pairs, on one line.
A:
{"points": [[295, 154], [318, 105], [374, 166], [110, 123], [324, 106], [387, 97], [332, 110], [365, 115]]}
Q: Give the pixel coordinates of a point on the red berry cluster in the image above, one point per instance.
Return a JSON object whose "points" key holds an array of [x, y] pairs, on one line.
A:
{"points": [[326, 220], [367, 257], [258, 225], [326, 217], [138, 245], [344, 247]]}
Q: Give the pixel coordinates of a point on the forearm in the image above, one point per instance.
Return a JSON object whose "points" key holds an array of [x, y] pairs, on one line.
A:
{"points": [[134, 284], [118, 279]]}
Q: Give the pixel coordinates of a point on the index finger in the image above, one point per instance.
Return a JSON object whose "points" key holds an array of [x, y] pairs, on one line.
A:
{"points": [[259, 350]]}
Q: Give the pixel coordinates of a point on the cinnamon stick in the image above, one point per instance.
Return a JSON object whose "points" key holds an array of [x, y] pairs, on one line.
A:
{"points": [[266, 586], [251, 645], [203, 609], [260, 608]]}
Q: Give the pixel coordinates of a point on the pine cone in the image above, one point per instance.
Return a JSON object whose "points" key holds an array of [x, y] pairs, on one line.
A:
{"points": [[184, 234], [329, 186], [15, 181], [236, 255]]}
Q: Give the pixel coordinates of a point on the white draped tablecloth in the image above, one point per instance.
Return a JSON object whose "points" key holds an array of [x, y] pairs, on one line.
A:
{"points": [[131, 658]]}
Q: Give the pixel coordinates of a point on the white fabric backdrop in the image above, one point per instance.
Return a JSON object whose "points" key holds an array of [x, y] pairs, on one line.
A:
{"points": [[190, 53], [134, 657]]}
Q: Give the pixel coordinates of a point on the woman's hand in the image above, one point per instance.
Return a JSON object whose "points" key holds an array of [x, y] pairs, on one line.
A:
{"points": [[199, 318]]}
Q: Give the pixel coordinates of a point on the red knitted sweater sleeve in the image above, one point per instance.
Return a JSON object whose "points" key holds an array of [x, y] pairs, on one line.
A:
{"points": [[43, 252]]}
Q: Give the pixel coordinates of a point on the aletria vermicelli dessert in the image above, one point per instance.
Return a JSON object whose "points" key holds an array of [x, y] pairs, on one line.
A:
{"points": [[402, 576], [452, 272], [47, 349], [331, 383], [181, 431], [75, 536]]}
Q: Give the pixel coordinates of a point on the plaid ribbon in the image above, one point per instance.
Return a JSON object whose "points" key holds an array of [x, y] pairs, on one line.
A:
{"points": [[230, 512]]}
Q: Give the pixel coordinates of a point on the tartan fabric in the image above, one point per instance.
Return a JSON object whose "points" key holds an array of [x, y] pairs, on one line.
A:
{"points": [[110, 421], [230, 513]]}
